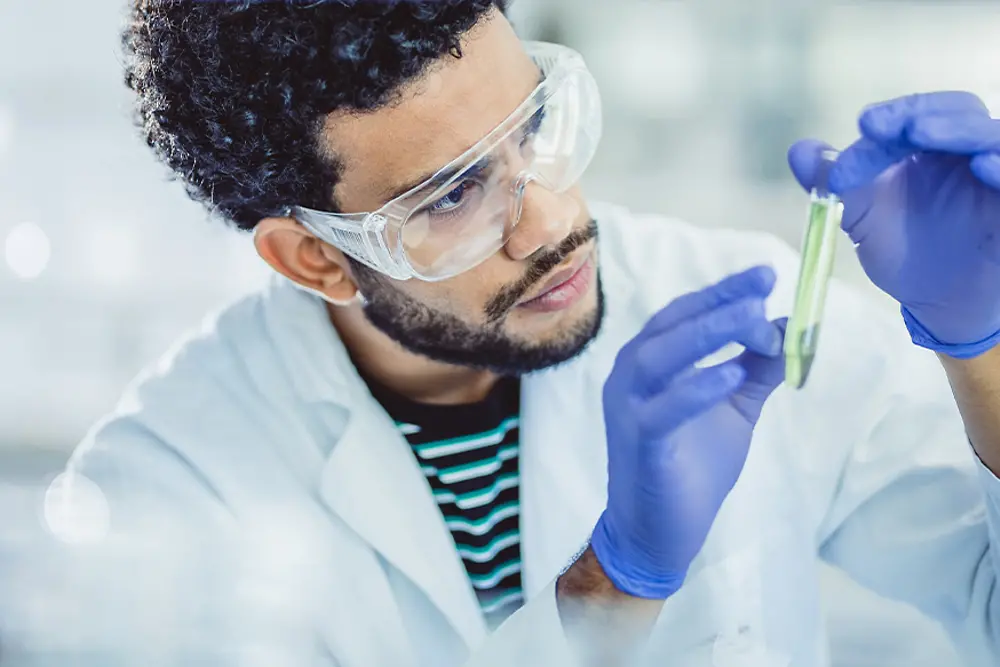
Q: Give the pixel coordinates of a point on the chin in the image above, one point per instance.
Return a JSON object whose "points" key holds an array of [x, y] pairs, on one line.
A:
{"points": [[565, 332]]}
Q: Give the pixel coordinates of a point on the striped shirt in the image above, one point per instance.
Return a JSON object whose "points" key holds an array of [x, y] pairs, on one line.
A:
{"points": [[469, 456]]}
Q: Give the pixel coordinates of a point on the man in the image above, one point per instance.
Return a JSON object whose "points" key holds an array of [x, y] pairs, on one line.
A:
{"points": [[474, 400]]}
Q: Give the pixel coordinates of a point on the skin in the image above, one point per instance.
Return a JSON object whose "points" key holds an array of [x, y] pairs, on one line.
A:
{"points": [[438, 118], [976, 386]]}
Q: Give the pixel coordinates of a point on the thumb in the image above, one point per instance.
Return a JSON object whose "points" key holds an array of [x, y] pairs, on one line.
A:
{"points": [[763, 375], [804, 158]]}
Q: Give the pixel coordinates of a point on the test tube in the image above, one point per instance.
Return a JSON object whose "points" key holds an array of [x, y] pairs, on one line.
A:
{"points": [[818, 249]]}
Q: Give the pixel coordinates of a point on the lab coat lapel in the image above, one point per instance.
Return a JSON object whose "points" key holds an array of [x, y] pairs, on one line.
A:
{"points": [[371, 479], [373, 483], [562, 492]]}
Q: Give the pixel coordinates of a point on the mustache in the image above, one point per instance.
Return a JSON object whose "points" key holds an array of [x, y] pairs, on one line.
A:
{"points": [[544, 261]]}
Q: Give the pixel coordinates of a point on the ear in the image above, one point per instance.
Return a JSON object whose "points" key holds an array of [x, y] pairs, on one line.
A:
{"points": [[291, 250]]}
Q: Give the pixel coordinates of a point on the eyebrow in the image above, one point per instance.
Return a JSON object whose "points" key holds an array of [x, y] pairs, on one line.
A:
{"points": [[443, 177], [436, 179]]}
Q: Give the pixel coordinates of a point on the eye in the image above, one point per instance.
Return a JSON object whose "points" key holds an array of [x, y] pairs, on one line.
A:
{"points": [[452, 200]]}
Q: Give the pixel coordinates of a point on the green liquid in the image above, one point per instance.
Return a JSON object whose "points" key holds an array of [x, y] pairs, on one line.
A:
{"points": [[799, 356], [818, 250]]}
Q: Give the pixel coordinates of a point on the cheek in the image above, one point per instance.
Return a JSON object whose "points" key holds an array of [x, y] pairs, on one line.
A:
{"points": [[467, 295], [465, 302]]}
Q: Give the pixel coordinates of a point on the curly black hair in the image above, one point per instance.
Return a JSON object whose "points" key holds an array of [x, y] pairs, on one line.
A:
{"points": [[232, 95]]}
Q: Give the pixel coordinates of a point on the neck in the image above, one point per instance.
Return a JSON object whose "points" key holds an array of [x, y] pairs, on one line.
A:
{"points": [[410, 375]]}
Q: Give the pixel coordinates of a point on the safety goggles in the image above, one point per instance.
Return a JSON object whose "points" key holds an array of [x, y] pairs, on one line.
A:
{"points": [[465, 213]]}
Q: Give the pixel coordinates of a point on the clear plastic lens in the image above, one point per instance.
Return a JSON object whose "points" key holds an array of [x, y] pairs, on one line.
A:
{"points": [[437, 244], [464, 222]]}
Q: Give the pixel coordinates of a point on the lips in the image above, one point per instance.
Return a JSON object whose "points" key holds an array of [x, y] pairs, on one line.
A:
{"points": [[558, 279]]}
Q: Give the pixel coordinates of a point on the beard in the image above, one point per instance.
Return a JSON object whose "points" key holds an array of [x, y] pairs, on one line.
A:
{"points": [[443, 337]]}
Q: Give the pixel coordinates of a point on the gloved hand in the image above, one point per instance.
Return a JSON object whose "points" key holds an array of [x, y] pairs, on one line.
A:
{"points": [[678, 435], [921, 193]]}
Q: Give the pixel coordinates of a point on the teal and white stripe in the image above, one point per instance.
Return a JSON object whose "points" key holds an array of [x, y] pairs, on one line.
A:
{"points": [[485, 583], [489, 552], [434, 450], [469, 471], [407, 429], [485, 524], [468, 501]]}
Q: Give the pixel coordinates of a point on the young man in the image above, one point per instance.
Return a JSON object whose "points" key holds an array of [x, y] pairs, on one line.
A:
{"points": [[474, 399]]}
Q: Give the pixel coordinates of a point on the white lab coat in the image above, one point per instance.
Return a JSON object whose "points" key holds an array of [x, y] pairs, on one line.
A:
{"points": [[264, 509]]}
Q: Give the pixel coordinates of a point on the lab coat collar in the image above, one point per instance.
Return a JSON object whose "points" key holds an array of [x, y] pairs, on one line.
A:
{"points": [[372, 481], [370, 478]]}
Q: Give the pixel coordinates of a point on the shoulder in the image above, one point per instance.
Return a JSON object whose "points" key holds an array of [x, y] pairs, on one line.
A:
{"points": [[203, 377], [638, 234], [205, 415], [168, 480], [663, 257]]}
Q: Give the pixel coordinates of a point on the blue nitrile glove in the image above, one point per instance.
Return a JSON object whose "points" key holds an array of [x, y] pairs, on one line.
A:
{"points": [[678, 435], [921, 192]]}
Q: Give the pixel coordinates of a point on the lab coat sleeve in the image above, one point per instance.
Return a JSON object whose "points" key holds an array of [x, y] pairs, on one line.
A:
{"points": [[531, 637], [916, 515], [149, 572]]}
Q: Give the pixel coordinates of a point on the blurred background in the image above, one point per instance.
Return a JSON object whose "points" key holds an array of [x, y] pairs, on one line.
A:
{"points": [[105, 262]]}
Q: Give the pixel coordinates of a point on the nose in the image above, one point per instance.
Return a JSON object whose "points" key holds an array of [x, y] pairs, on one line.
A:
{"points": [[547, 218]]}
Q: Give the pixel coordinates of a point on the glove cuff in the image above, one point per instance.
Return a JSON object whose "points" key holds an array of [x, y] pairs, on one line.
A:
{"points": [[922, 337], [627, 578]]}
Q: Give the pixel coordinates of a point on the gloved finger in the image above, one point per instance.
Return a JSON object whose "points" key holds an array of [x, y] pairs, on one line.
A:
{"points": [[887, 122], [664, 412], [986, 167], [757, 281], [961, 134], [804, 158], [885, 138], [862, 162], [763, 376], [660, 359]]}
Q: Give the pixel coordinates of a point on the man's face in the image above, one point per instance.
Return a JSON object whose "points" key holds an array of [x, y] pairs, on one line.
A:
{"points": [[536, 302]]}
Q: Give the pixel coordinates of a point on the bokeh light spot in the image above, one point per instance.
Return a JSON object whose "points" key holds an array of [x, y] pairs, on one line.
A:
{"points": [[27, 251]]}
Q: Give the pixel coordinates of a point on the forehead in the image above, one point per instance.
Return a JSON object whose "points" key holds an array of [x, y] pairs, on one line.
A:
{"points": [[454, 105]]}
